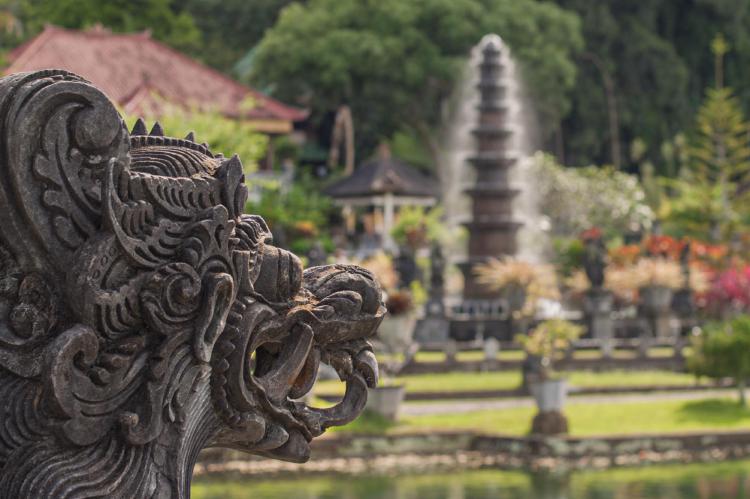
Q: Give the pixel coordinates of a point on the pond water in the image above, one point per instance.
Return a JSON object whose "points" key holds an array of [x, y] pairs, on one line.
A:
{"points": [[695, 481]]}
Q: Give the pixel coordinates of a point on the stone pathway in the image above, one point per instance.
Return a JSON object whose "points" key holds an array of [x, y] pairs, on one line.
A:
{"points": [[462, 406]]}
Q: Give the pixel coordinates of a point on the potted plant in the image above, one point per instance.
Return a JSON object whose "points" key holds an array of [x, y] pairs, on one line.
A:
{"points": [[657, 278], [394, 339], [395, 342], [520, 283], [543, 346], [397, 328]]}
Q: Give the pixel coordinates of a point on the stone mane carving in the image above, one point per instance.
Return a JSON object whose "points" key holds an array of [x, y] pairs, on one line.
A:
{"points": [[143, 316]]}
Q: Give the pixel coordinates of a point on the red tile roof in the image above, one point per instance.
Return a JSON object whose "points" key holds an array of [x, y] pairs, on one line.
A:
{"points": [[140, 74]]}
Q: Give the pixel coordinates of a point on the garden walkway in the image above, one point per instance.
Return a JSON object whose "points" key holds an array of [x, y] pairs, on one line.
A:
{"points": [[461, 406]]}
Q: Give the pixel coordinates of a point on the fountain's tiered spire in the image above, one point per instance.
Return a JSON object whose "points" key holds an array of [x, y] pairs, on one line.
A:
{"points": [[492, 229]]}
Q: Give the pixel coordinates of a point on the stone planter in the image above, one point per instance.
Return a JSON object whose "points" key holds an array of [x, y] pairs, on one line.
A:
{"points": [[386, 400], [549, 394], [655, 299], [515, 295], [656, 307], [396, 332]]}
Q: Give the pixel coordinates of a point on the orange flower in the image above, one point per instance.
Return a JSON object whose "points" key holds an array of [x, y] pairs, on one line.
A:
{"points": [[626, 254], [663, 246]]}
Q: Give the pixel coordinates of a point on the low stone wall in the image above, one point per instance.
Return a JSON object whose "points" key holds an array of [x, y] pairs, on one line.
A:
{"points": [[618, 450], [573, 392], [422, 452], [609, 364]]}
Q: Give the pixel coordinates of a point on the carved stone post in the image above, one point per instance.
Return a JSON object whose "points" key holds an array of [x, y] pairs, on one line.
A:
{"points": [[434, 327], [143, 315], [598, 301]]}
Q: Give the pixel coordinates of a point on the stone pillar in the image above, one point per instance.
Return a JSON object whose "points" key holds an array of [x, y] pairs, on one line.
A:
{"points": [[656, 308], [598, 310]]}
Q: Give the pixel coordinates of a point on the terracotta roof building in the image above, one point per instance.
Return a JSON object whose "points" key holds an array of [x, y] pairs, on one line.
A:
{"points": [[141, 74]]}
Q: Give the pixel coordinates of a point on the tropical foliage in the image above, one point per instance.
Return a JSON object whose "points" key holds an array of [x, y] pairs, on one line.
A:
{"points": [[298, 215], [575, 199], [416, 227], [723, 351]]}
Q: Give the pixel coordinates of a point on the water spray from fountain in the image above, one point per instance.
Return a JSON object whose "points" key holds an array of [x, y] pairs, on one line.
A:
{"points": [[460, 143]]}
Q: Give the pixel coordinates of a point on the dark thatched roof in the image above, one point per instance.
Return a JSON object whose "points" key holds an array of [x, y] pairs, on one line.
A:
{"points": [[383, 175]]}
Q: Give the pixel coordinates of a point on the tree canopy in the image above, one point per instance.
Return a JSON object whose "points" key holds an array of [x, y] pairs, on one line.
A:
{"points": [[177, 28], [657, 54], [231, 28], [394, 62]]}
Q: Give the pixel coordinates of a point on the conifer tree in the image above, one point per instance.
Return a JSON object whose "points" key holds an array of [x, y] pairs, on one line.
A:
{"points": [[711, 196]]}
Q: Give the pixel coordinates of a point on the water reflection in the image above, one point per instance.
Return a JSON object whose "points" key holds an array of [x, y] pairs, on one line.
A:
{"points": [[700, 481]]}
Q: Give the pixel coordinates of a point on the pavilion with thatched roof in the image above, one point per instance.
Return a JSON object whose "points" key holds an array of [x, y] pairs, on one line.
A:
{"points": [[377, 189]]}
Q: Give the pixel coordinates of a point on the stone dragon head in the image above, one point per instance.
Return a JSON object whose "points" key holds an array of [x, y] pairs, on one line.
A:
{"points": [[143, 315]]}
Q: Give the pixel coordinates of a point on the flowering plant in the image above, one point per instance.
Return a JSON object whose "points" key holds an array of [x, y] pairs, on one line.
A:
{"points": [[624, 280], [624, 255], [664, 246], [548, 340], [729, 290]]}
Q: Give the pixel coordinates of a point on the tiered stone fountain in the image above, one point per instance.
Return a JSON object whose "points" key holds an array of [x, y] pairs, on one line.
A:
{"points": [[492, 229]]}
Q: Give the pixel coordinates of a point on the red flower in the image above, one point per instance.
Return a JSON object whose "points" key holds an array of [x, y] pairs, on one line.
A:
{"points": [[591, 234]]}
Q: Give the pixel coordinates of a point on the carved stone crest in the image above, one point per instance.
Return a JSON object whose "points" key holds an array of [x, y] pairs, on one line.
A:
{"points": [[143, 315]]}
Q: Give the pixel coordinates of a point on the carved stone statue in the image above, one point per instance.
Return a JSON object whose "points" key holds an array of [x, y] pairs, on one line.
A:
{"points": [[143, 316], [595, 261]]}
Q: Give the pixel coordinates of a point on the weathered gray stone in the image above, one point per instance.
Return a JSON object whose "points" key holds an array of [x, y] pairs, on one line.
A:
{"points": [[143, 316]]}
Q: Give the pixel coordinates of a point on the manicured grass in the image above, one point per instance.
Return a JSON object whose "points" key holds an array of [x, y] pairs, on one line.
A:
{"points": [[463, 356], [508, 380], [629, 378], [613, 418]]}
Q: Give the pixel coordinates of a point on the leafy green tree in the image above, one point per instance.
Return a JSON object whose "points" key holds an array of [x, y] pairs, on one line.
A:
{"points": [[394, 62], [231, 28], [723, 351], [170, 25], [576, 199], [654, 52]]}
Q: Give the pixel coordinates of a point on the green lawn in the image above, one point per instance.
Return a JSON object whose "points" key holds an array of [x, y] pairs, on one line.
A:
{"points": [[508, 380], [584, 419]]}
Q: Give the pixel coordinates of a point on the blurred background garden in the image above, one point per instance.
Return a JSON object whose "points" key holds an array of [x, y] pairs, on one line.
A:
{"points": [[554, 195]]}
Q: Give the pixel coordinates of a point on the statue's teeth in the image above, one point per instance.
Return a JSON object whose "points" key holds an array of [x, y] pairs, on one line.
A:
{"points": [[139, 128], [156, 130]]}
